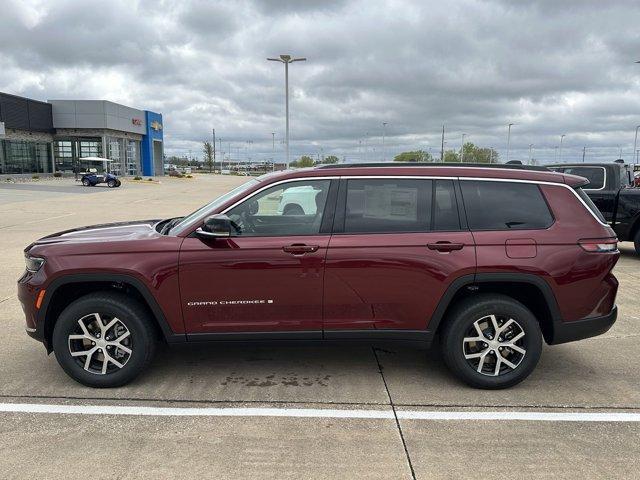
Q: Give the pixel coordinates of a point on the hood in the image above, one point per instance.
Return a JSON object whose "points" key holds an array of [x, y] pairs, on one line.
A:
{"points": [[108, 232]]}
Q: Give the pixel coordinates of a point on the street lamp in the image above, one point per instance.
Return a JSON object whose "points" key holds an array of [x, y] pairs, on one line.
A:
{"points": [[286, 59], [561, 139], [530, 153], [509, 139], [635, 142], [462, 148]]}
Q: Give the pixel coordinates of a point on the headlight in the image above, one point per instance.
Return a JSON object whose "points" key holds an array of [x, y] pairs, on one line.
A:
{"points": [[33, 263]]}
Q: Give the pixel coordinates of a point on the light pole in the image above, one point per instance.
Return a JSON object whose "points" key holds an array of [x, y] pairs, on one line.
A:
{"points": [[584, 152], [214, 150], [635, 143], [509, 139], [561, 139], [462, 148], [286, 59], [555, 156], [273, 150], [366, 146], [530, 153], [384, 152]]}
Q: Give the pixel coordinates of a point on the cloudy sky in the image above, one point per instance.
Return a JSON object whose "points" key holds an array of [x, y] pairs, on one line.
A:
{"points": [[550, 67]]}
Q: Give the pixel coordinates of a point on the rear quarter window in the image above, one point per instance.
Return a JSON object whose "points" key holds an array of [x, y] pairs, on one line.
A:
{"points": [[590, 205], [494, 205]]}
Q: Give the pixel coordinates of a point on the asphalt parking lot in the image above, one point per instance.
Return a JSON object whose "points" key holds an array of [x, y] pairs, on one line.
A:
{"points": [[304, 411]]}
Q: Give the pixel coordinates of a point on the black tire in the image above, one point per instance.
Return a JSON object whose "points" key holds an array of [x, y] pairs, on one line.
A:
{"points": [[636, 242], [130, 313], [86, 182], [112, 184], [460, 324], [293, 209], [118, 183]]}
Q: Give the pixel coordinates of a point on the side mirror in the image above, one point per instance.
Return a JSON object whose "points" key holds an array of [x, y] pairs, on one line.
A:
{"points": [[215, 226]]}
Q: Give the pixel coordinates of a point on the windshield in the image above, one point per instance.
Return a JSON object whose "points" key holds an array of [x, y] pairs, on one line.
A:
{"points": [[186, 221]]}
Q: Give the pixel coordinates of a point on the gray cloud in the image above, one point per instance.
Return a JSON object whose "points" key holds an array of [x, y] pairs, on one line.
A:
{"points": [[550, 67]]}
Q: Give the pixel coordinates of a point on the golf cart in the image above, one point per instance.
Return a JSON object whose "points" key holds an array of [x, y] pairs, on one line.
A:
{"points": [[91, 177]]}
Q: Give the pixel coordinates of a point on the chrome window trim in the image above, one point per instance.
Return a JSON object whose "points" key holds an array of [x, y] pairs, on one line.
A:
{"points": [[423, 177]]}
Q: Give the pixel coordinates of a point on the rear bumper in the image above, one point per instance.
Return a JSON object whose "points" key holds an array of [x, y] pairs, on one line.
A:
{"points": [[564, 332]]}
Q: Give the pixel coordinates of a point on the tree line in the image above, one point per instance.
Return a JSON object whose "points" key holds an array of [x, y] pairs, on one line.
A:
{"points": [[470, 154]]}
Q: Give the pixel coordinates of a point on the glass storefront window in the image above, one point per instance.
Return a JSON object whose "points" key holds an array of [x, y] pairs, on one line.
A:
{"points": [[21, 157], [63, 153], [133, 157]]}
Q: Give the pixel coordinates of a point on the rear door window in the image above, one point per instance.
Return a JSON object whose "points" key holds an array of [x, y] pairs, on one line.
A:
{"points": [[505, 205], [388, 205], [445, 207]]}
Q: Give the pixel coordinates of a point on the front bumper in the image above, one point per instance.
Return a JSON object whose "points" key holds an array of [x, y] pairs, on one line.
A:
{"points": [[564, 332], [28, 290]]}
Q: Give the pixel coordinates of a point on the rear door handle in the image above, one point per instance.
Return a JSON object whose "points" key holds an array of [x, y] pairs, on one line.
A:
{"points": [[445, 246], [300, 249]]}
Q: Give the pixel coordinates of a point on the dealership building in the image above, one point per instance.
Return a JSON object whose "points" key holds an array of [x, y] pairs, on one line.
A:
{"points": [[54, 136]]}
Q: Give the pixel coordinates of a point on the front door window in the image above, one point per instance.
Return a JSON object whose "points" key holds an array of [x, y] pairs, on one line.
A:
{"points": [[293, 208]]}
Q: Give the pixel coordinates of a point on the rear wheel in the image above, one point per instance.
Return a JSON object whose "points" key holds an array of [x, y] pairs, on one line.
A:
{"points": [[104, 340], [491, 341]]}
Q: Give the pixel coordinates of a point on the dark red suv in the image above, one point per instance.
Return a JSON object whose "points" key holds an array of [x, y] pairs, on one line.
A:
{"points": [[488, 260]]}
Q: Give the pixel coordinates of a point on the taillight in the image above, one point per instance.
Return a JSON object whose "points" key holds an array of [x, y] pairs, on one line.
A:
{"points": [[599, 245]]}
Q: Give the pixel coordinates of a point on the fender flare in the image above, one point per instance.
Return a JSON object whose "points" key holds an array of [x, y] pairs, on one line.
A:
{"points": [[169, 335], [480, 278]]}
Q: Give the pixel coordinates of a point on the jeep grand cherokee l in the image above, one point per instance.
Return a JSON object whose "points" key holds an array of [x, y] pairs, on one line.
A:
{"points": [[490, 261]]}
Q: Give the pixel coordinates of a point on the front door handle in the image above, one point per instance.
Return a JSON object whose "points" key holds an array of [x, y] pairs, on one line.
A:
{"points": [[300, 248], [445, 246]]}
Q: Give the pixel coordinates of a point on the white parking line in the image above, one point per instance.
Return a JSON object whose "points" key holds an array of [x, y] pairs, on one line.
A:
{"points": [[318, 413]]}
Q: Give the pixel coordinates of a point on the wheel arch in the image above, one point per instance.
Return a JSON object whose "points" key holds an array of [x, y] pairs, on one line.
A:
{"points": [[530, 290], [66, 289]]}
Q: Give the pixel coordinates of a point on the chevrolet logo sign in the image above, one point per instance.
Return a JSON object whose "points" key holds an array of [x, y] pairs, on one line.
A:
{"points": [[156, 125]]}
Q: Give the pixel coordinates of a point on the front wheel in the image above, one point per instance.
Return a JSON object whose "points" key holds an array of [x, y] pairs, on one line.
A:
{"points": [[491, 341], [636, 242], [103, 340], [86, 182], [112, 184]]}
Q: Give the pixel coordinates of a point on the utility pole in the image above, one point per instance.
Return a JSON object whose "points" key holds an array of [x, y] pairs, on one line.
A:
{"points": [[635, 143], [584, 151], [384, 152], [530, 153], [286, 59], [509, 140], [214, 149], [221, 153], [561, 139], [442, 146], [462, 148]]}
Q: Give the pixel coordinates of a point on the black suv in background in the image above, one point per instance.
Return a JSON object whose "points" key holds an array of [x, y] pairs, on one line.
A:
{"points": [[611, 189]]}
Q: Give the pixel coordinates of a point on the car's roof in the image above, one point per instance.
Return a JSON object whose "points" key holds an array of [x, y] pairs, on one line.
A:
{"points": [[508, 172]]}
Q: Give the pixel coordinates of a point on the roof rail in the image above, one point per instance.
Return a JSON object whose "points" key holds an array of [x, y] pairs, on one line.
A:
{"points": [[439, 164]]}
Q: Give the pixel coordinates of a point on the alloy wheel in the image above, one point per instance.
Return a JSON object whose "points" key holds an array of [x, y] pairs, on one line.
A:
{"points": [[100, 344], [494, 345]]}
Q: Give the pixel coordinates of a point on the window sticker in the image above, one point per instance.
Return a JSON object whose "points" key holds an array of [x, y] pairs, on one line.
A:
{"points": [[390, 202]]}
